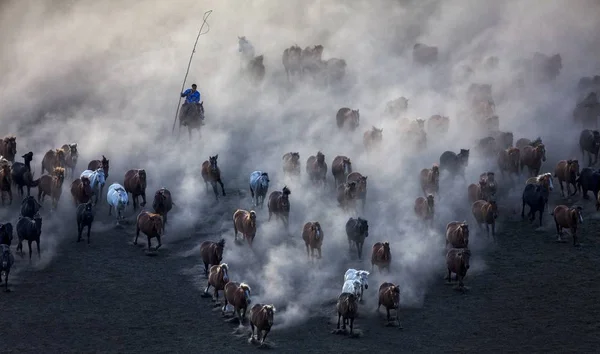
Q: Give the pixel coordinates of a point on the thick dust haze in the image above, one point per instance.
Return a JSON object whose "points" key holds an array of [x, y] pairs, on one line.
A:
{"points": [[107, 76]]}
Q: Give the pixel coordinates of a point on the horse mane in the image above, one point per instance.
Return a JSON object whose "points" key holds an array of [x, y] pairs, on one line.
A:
{"points": [[221, 243], [270, 307], [10, 137], [59, 170], [246, 286], [223, 266]]}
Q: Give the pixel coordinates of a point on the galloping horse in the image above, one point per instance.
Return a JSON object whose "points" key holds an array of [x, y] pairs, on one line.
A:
{"points": [[316, 168], [211, 173], [96, 164], [117, 198], [81, 190], [135, 183], [53, 159], [97, 181], [279, 204], [532, 157], [8, 148], [71, 156], [51, 185], [259, 186]]}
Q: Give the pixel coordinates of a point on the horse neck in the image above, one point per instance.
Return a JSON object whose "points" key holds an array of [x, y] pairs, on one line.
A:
{"points": [[57, 182]]}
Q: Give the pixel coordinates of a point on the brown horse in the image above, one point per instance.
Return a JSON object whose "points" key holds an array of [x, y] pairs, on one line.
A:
{"points": [[151, 225], [5, 183], [261, 317], [51, 185], [361, 186], [292, 61], [425, 209], [135, 183], [532, 157], [52, 159], [81, 190], [312, 234], [96, 164], [509, 161], [567, 218], [347, 195], [490, 184], [341, 167], [567, 171], [71, 156], [544, 179], [504, 140], [438, 125], [477, 191], [457, 262], [279, 204], [457, 234], [212, 173], [486, 212], [162, 204], [245, 222], [372, 138], [521, 143], [316, 168], [381, 256], [8, 148], [347, 117], [238, 295], [291, 164], [389, 297], [347, 308], [430, 180], [211, 253], [218, 277]]}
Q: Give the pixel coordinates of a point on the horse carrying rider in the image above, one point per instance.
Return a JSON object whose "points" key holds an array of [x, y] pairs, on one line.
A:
{"points": [[192, 99]]}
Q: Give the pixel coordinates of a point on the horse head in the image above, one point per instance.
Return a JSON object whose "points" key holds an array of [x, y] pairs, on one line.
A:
{"points": [[142, 178], [464, 254], [493, 206], [264, 180], [223, 268], [37, 218], [60, 156], [377, 133], [295, 156], [213, 163], [347, 164], [11, 144], [252, 216], [59, 173], [364, 278], [105, 165], [464, 227], [286, 191], [577, 215], [269, 311], [157, 223], [88, 207], [320, 157], [363, 226], [28, 157], [573, 168], [386, 248], [316, 228], [430, 202], [246, 289], [220, 247], [541, 149], [464, 156]]}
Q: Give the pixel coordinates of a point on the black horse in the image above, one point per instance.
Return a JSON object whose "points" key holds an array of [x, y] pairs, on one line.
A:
{"points": [[455, 163], [589, 180], [30, 207], [589, 141], [85, 217], [357, 229], [536, 197]]}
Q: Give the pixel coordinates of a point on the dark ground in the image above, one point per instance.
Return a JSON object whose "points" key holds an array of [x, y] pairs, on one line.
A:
{"points": [[536, 295]]}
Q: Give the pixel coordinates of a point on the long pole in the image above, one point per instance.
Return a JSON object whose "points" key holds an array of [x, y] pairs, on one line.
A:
{"points": [[205, 17]]}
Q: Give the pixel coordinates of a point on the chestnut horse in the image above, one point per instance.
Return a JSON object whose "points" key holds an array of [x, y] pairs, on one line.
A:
{"points": [[567, 218], [279, 204], [457, 261], [347, 117], [490, 183], [312, 234], [245, 222], [212, 173], [567, 171], [151, 225], [316, 168], [5, 183], [389, 297], [532, 157], [509, 161], [51, 185], [457, 234], [52, 159], [96, 164], [341, 167], [135, 183], [291, 164], [238, 295], [81, 190], [211, 253], [218, 277], [361, 186], [477, 191], [261, 317], [8, 148], [372, 138], [162, 204], [486, 212], [381, 256], [424, 208], [430, 180]]}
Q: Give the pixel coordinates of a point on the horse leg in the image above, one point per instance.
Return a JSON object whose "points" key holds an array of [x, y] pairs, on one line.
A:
{"points": [[149, 244], [88, 233], [264, 337], [307, 252], [359, 246], [79, 231], [6, 281], [339, 317], [562, 190], [110, 210], [137, 234], [159, 243], [215, 190], [143, 204], [30, 250], [222, 186], [252, 196], [319, 249]]}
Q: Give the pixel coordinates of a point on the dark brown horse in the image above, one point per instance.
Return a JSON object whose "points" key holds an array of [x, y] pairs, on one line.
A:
{"points": [[151, 225], [218, 277], [96, 164], [486, 212], [457, 234], [347, 308], [245, 222], [532, 157], [81, 190], [361, 186], [509, 161], [51, 186], [211, 253], [567, 171], [162, 204], [135, 183], [521, 143], [5, 183], [457, 261], [211, 173], [372, 138], [21, 174], [8, 148], [389, 297], [238, 295], [341, 167], [312, 234], [261, 317], [316, 168], [52, 159], [71, 157], [347, 117], [381, 256], [425, 209], [291, 164], [430, 180], [477, 191], [279, 204], [347, 195], [567, 218]]}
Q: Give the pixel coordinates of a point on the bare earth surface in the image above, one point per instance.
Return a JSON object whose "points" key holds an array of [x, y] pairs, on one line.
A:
{"points": [[535, 295]]}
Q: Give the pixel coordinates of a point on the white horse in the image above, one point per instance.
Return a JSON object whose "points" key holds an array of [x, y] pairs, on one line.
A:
{"points": [[362, 276], [352, 286], [97, 181], [117, 198], [246, 49]]}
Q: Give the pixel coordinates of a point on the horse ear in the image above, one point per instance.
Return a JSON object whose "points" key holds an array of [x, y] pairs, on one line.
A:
{"points": [[216, 156]]}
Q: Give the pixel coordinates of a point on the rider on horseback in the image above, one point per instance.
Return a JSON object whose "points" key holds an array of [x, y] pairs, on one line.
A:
{"points": [[192, 99]]}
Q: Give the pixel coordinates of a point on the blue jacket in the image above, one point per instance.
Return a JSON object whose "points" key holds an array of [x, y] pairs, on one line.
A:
{"points": [[191, 97]]}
